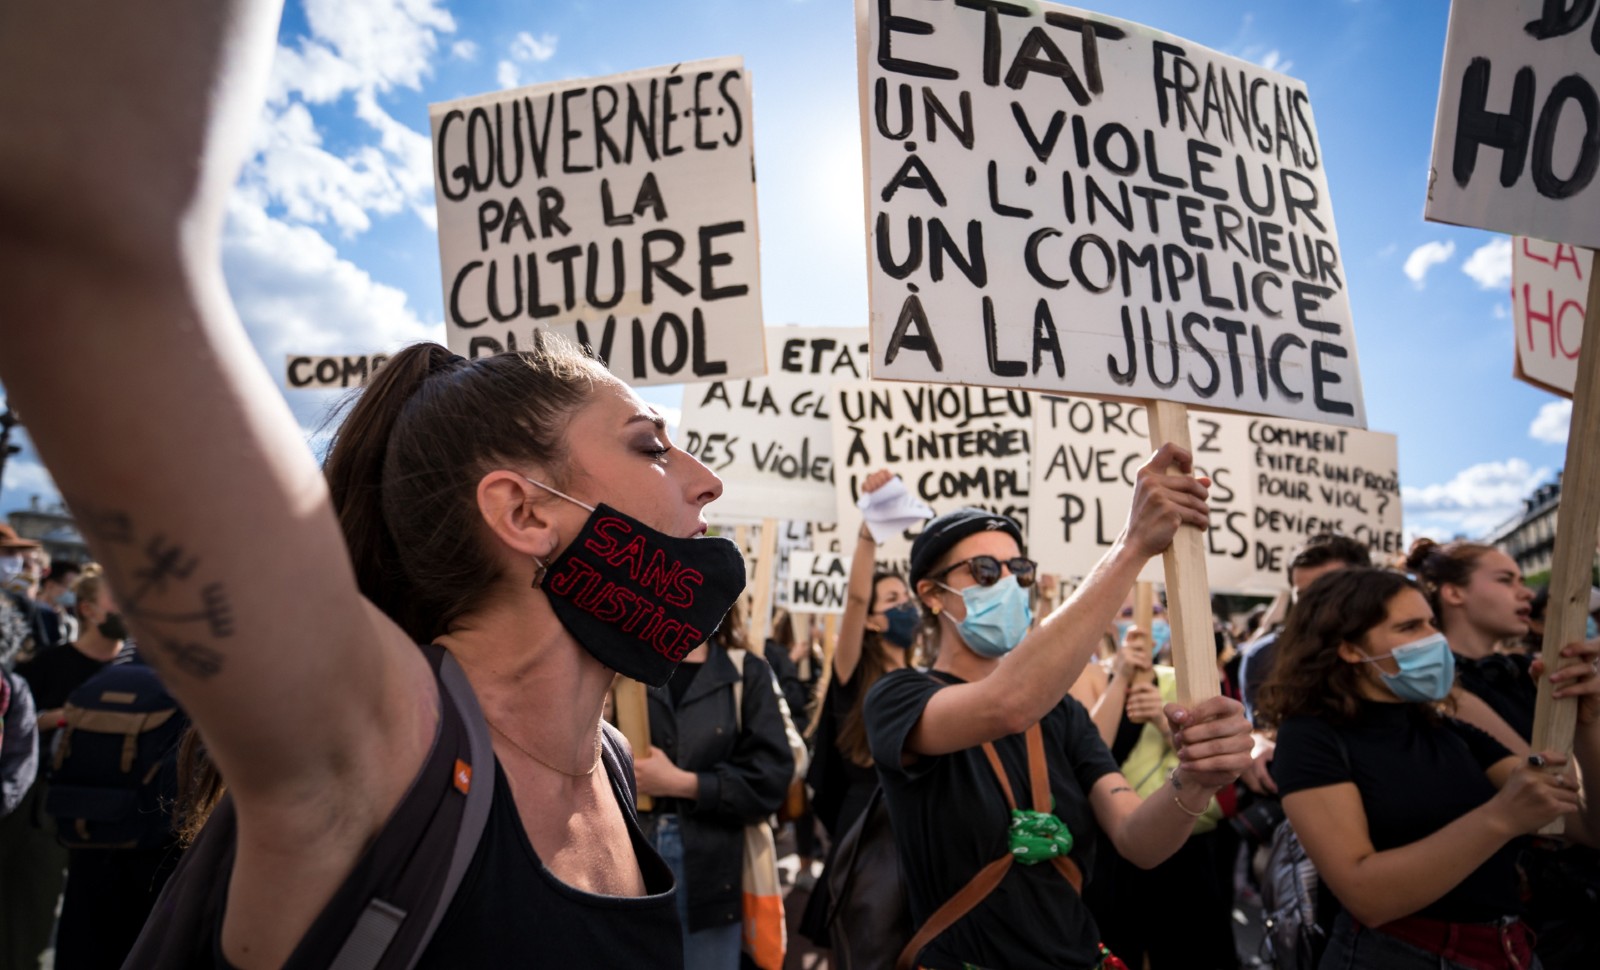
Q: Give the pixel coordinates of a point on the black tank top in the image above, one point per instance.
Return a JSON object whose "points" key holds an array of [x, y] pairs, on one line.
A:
{"points": [[511, 911]]}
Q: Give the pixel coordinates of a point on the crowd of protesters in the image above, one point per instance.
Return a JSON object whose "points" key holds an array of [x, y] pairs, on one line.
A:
{"points": [[986, 784]]}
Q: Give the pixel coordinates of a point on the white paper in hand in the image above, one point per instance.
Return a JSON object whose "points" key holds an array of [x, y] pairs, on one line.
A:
{"points": [[892, 510]]}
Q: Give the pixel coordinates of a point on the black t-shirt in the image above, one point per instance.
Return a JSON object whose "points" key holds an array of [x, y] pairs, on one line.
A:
{"points": [[55, 674], [511, 911], [1415, 775], [1501, 680], [950, 820]]}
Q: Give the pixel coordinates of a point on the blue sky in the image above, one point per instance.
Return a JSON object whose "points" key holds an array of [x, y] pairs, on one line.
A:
{"points": [[330, 245]]}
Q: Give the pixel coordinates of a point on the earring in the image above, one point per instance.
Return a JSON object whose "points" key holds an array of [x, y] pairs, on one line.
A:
{"points": [[935, 608], [539, 569]]}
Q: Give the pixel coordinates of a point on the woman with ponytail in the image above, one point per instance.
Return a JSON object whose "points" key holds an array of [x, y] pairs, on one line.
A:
{"points": [[502, 511], [1477, 593]]}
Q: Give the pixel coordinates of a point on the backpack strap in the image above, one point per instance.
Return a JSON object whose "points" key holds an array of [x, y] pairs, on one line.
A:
{"points": [[989, 877], [479, 778]]}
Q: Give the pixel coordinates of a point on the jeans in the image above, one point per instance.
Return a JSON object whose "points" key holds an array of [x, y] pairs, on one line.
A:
{"points": [[716, 948], [1352, 947]]}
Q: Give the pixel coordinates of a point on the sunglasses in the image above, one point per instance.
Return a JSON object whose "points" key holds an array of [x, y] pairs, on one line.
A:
{"points": [[986, 569]]}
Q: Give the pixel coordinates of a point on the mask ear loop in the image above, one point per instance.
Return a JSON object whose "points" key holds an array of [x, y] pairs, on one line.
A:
{"points": [[557, 491], [540, 567]]}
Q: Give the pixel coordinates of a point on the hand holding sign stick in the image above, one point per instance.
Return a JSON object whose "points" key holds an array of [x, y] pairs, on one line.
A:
{"points": [[1555, 720], [1188, 591]]}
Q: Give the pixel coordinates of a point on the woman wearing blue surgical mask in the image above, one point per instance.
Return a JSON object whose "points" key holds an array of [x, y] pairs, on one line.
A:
{"points": [[994, 707], [1411, 817]]}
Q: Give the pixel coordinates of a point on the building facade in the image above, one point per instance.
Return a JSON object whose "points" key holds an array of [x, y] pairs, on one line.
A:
{"points": [[1530, 538]]}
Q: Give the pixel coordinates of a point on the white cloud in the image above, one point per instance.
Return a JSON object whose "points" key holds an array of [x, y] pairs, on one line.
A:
{"points": [[1490, 265], [526, 47], [1426, 257], [1474, 502], [507, 75], [1273, 60], [360, 50], [26, 477], [1245, 45], [1501, 311], [1550, 426], [464, 50], [296, 295], [1388, 250]]}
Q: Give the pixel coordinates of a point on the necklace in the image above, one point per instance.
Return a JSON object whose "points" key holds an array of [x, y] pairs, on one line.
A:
{"points": [[570, 774]]}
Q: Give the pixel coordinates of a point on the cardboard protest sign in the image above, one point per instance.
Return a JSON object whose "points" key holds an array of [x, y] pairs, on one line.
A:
{"points": [[1275, 483], [1087, 454], [1516, 142], [1516, 147], [818, 582], [321, 373], [953, 447], [1072, 203], [768, 438], [1549, 286], [1302, 479], [619, 211], [800, 537]]}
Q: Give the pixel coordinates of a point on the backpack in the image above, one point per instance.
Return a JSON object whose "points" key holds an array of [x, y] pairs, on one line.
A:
{"points": [[114, 775], [1289, 891]]}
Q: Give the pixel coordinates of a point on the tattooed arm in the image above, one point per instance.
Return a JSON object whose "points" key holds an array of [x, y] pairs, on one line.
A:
{"points": [[121, 131]]}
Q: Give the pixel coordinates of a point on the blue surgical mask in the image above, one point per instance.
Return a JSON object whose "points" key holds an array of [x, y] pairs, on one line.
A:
{"points": [[1160, 635], [1427, 670], [903, 620], [998, 617], [1591, 629]]}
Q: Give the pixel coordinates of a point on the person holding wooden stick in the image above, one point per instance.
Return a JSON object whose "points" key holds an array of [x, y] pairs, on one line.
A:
{"points": [[995, 779], [465, 504], [1482, 604], [1410, 816]]}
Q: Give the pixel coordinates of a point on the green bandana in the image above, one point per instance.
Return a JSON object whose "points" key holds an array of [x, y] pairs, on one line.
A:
{"points": [[1037, 836]]}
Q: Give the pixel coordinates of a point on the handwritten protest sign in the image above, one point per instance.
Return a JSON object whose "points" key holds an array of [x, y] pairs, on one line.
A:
{"points": [[1301, 479], [1516, 147], [1275, 482], [769, 437], [1069, 202], [1516, 142], [320, 373], [818, 582], [619, 211], [1087, 456], [1549, 285], [953, 447]]}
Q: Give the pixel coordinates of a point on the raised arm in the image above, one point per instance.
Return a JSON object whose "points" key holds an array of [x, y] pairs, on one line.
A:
{"points": [[858, 596], [121, 131], [1038, 673]]}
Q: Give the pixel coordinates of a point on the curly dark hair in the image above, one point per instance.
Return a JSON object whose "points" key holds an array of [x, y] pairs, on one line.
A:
{"points": [[1308, 677]]}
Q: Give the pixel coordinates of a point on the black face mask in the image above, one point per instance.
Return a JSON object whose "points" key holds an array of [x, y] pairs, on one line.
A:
{"points": [[112, 627], [639, 600]]}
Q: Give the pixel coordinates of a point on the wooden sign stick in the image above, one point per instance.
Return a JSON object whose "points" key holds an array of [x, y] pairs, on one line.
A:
{"points": [[633, 720], [1556, 721], [1194, 649], [761, 598], [1144, 612]]}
